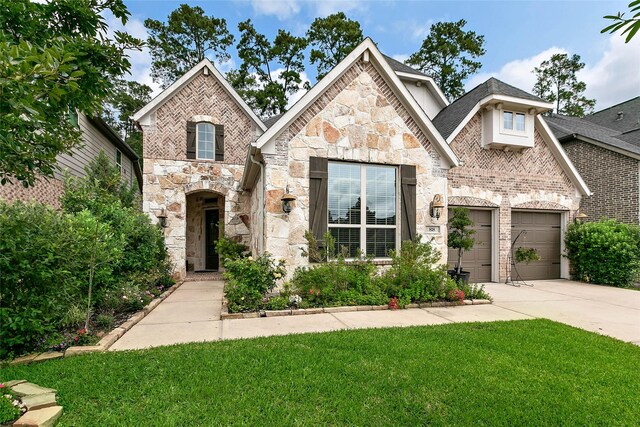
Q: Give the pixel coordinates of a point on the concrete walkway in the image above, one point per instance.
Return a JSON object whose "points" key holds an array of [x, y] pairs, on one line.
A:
{"points": [[192, 313]]}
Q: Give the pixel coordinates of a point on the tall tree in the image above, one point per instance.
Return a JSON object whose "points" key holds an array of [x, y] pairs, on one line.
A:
{"points": [[448, 54], [557, 82], [55, 58], [332, 38], [270, 71], [127, 98], [619, 22], [186, 39]]}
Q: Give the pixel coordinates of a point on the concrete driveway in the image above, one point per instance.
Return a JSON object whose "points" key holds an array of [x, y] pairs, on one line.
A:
{"points": [[609, 311]]}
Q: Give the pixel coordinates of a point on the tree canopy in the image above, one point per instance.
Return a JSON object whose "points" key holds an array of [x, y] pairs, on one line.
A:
{"points": [[186, 39], [270, 71], [55, 59], [448, 54], [557, 83], [629, 26], [332, 39]]}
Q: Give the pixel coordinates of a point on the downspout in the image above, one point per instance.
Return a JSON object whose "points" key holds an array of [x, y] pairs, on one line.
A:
{"points": [[261, 242]]}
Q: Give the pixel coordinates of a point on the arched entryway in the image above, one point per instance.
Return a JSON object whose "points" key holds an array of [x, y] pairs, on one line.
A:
{"points": [[205, 215]]}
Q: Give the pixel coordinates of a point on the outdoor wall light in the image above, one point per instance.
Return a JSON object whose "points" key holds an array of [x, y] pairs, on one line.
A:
{"points": [[581, 216], [162, 218], [436, 207], [287, 200]]}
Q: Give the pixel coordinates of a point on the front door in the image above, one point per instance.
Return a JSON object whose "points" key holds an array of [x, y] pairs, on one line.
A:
{"points": [[212, 217]]}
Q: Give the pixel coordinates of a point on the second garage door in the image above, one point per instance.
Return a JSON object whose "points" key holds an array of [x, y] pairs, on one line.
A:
{"points": [[544, 234], [477, 260]]}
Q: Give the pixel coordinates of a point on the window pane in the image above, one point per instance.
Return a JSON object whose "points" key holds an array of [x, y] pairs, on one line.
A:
{"points": [[381, 195], [520, 122], [344, 193], [347, 239], [380, 241], [205, 141], [508, 120]]}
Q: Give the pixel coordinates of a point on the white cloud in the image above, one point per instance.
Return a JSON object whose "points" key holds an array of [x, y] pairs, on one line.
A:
{"points": [[616, 76], [518, 73], [400, 57], [282, 9], [329, 7], [613, 78]]}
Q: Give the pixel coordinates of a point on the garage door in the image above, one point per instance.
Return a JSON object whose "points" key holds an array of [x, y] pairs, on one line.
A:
{"points": [[478, 260], [543, 233]]}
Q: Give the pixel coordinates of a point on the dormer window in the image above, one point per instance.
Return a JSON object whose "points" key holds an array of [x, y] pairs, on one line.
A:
{"points": [[205, 141], [508, 121]]}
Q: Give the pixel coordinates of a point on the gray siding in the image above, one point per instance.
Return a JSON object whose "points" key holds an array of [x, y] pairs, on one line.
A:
{"points": [[92, 143]]}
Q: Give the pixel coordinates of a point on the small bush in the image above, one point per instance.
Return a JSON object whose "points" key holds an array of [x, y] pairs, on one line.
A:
{"points": [[604, 252], [249, 280], [229, 249], [9, 406]]}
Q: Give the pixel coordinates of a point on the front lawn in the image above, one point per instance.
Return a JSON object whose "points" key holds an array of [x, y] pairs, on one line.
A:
{"points": [[533, 372]]}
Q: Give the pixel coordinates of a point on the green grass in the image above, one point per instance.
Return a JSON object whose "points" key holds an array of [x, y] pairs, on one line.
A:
{"points": [[528, 373]]}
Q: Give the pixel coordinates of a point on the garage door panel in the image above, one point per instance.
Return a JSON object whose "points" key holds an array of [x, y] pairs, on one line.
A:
{"points": [[543, 234], [478, 260]]}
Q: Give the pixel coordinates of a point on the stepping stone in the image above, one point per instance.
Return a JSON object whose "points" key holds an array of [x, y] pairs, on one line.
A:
{"points": [[39, 401], [45, 417], [49, 356], [26, 389], [13, 383]]}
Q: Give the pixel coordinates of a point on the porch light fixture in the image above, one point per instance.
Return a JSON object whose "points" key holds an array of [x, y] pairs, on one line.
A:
{"points": [[162, 218], [581, 216], [287, 200], [437, 205]]}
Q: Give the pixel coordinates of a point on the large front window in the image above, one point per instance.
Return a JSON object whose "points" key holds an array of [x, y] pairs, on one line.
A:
{"points": [[205, 136], [351, 186]]}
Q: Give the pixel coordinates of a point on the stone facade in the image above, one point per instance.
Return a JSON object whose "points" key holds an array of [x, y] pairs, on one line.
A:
{"points": [[177, 186], [46, 191], [613, 178], [359, 119], [530, 179]]}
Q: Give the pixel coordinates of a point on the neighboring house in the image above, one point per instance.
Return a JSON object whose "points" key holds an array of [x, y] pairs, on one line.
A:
{"points": [[605, 147], [364, 153], [97, 136]]}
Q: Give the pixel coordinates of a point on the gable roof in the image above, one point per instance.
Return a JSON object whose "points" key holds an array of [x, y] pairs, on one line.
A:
{"points": [[272, 120], [623, 117], [458, 113], [186, 78], [400, 67], [369, 52], [568, 128]]}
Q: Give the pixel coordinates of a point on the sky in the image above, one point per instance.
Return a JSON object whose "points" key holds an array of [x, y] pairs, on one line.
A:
{"points": [[519, 35]]}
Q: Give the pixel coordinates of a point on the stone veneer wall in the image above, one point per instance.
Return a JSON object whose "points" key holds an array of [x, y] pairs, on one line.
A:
{"points": [[358, 119], [47, 192], [169, 176], [530, 179], [613, 178]]}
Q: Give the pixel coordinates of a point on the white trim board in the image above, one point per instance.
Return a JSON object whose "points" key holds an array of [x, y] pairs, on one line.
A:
{"points": [[159, 100]]}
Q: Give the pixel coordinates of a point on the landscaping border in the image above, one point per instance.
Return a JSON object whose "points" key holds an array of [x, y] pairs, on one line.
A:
{"points": [[339, 309], [105, 342]]}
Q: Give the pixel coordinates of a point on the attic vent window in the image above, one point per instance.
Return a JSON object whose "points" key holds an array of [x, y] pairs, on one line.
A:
{"points": [[620, 115]]}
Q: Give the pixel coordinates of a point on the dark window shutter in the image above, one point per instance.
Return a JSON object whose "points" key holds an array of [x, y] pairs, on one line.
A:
{"points": [[408, 202], [318, 178], [219, 143], [191, 140]]}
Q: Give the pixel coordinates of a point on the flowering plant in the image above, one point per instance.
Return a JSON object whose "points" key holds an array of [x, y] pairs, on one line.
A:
{"points": [[456, 295]]}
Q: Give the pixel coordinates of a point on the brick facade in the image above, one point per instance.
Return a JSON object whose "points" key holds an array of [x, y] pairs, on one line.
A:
{"points": [[175, 185], [529, 179], [46, 191], [613, 178]]}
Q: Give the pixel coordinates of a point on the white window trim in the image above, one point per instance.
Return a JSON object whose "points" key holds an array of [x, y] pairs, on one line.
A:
{"points": [[120, 164], [213, 155], [513, 130], [363, 217]]}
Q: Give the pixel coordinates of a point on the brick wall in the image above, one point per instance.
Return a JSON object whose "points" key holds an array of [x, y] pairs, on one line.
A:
{"points": [[47, 192], [613, 178], [530, 179]]}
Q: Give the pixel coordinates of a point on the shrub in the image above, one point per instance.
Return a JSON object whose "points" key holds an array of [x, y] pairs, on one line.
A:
{"points": [[9, 406], [229, 249], [249, 280], [604, 252]]}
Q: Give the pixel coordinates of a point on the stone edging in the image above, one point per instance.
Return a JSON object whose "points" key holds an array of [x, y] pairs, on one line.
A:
{"points": [[105, 342], [40, 403], [303, 311]]}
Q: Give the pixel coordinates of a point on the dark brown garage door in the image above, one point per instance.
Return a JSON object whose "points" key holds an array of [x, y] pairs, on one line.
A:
{"points": [[543, 233], [478, 260]]}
